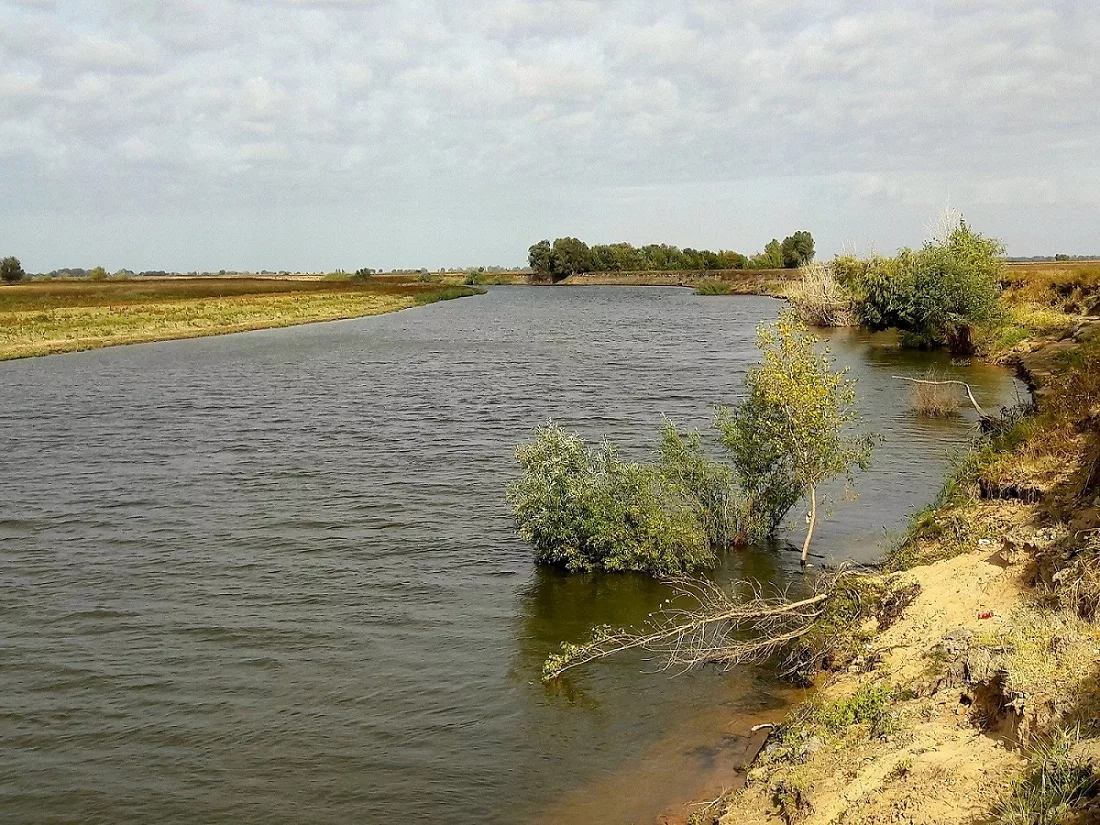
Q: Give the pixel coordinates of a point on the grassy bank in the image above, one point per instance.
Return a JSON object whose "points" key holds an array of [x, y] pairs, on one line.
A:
{"points": [[720, 282], [978, 700], [47, 317]]}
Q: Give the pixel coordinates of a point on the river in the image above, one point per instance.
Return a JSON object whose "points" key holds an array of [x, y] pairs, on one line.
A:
{"points": [[271, 577]]}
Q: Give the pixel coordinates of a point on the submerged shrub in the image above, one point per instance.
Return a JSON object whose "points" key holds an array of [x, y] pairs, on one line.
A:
{"points": [[791, 433], [586, 509], [707, 486], [933, 400]]}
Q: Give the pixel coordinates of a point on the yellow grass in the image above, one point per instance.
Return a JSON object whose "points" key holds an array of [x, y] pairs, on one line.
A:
{"points": [[46, 318], [936, 400]]}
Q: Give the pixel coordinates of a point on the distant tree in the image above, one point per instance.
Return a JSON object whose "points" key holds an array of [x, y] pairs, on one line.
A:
{"points": [[11, 270], [97, 274], [797, 249], [541, 258], [569, 256], [1061, 257]]}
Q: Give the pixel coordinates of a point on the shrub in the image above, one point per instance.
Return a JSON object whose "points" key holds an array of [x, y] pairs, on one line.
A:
{"points": [[586, 509], [706, 485], [934, 295], [819, 299], [11, 270], [712, 286]]}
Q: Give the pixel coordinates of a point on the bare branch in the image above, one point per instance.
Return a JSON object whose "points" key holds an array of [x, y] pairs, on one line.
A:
{"points": [[703, 630]]}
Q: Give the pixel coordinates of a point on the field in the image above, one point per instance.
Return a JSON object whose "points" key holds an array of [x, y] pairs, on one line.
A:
{"points": [[47, 317]]}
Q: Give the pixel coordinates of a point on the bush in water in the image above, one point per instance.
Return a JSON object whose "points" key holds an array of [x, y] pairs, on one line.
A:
{"points": [[586, 509]]}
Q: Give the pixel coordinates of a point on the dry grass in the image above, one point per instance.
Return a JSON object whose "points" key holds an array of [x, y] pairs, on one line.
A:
{"points": [[819, 300], [1071, 287], [67, 316], [935, 400], [1041, 300], [772, 282]]}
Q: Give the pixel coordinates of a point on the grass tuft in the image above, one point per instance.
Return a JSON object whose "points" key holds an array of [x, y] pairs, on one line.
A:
{"points": [[1054, 785], [713, 287], [935, 400]]}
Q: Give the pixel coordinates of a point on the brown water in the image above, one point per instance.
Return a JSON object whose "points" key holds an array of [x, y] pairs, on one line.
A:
{"points": [[271, 577]]}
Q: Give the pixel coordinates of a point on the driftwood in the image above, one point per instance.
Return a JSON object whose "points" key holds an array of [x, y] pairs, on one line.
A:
{"points": [[969, 392]]}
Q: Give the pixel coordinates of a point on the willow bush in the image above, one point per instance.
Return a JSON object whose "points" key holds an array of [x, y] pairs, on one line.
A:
{"points": [[584, 508], [935, 295]]}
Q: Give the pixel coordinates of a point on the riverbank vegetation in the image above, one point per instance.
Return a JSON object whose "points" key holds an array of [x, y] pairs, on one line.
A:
{"points": [[69, 315], [959, 680], [991, 662], [570, 256], [584, 508]]}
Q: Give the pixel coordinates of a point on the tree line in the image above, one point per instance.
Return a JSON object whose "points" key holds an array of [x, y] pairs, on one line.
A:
{"points": [[570, 256]]}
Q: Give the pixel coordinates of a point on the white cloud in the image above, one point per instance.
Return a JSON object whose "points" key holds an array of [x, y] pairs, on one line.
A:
{"points": [[313, 103]]}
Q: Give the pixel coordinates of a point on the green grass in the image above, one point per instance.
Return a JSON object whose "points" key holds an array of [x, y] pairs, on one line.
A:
{"points": [[1053, 787], [712, 287]]}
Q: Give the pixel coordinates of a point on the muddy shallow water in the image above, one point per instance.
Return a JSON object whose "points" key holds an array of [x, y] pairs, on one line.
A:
{"points": [[271, 577]]}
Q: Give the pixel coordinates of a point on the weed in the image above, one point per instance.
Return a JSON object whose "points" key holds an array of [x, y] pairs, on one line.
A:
{"points": [[713, 287], [935, 400], [1053, 786]]}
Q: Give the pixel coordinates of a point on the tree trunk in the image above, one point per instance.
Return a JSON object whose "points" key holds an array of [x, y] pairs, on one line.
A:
{"points": [[960, 342], [813, 523]]}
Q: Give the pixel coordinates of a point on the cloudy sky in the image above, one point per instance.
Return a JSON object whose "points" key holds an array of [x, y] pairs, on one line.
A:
{"points": [[314, 134]]}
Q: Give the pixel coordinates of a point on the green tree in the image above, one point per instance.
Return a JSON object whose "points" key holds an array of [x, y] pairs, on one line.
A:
{"points": [[790, 435], [541, 258], [569, 256], [770, 258], [11, 270], [97, 274], [797, 249]]}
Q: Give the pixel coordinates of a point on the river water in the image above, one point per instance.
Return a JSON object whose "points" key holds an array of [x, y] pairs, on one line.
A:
{"points": [[271, 577]]}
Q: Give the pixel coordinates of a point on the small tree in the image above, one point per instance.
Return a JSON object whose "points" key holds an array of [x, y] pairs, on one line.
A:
{"points": [[11, 270], [789, 435], [97, 274]]}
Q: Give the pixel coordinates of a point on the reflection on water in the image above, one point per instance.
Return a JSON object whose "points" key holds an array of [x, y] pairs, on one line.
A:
{"points": [[272, 576]]}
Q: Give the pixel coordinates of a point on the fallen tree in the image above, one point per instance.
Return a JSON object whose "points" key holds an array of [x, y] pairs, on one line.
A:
{"points": [[706, 623]]}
